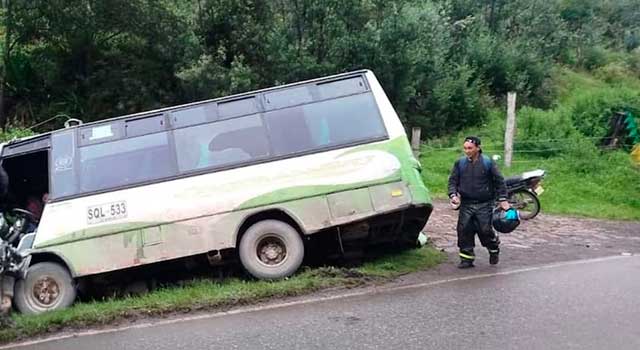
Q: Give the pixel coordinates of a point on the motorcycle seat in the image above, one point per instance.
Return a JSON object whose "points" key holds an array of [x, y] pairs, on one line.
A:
{"points": [[534, 173], [512, 180]]}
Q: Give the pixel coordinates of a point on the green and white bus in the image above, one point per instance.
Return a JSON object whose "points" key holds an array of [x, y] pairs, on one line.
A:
{"points": [[255, 176]]}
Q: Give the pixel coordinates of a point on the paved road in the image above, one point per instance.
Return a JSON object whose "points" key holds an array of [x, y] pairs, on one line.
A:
{"points": [[583, 305]]}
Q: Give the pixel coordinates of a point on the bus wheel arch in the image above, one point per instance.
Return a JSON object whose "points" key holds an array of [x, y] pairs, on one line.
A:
{"points": [[47, 256], [270, 245], [271, 214]]}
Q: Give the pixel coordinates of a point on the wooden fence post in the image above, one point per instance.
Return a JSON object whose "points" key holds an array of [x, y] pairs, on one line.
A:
{"points": [[415, 140], [510, 129]]}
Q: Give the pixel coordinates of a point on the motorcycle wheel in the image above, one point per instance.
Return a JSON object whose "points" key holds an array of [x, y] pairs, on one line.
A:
{"points": [[526, 203]]}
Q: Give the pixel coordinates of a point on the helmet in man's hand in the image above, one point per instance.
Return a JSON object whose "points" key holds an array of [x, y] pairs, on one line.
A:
{"points": [[505, 221]]}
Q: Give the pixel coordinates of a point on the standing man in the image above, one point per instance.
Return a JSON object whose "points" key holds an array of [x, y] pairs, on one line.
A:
{"points": [[474, 184]]}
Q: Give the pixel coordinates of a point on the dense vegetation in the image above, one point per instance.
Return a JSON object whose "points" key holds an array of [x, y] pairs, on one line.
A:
{"points": [[444, 63]]}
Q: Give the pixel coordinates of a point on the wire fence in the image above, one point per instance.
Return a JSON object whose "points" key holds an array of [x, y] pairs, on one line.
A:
{"points": [[524, 144], [498, 151]]}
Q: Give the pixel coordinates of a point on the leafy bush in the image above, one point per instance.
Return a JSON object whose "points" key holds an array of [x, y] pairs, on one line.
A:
{"points": [[506, 66], [613, 73], [543, 133], [592, 109], [454, 102], [10, 134], [633, 62], [583, 157], [594, 57]]}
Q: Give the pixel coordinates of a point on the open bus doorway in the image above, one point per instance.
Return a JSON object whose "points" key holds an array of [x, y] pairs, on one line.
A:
{"points": [[28, 185]]}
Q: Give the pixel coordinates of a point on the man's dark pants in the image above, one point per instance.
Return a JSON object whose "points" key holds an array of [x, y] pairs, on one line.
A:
{"points": [[475, 217]]}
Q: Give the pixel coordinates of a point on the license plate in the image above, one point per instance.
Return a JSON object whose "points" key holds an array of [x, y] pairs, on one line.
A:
{"points": [[538, 190], [106, 212]]}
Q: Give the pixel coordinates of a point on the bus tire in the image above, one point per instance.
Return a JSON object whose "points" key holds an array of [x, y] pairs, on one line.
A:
{"points": [[48, 286], [271, 249]]}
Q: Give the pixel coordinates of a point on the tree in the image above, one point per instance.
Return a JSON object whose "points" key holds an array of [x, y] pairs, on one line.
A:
{"points": [[94, 59]]}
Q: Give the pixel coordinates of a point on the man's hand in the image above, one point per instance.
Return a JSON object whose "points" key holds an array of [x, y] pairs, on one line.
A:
{"points": [[454, 200], [505, 205]]}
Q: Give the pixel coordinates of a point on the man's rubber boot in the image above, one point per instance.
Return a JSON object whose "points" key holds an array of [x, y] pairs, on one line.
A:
{"points": [[465, 264], [494, 258]]}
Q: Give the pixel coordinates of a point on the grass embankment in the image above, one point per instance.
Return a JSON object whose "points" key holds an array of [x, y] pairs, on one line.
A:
{"points": [[581, 179], [210, 295]]}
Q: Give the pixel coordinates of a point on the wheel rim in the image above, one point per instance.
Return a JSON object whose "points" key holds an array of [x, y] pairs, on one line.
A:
{"points": [[271, 251], [46, 291]]}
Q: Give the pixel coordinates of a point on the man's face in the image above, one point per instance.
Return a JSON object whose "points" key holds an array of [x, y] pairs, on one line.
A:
{"points": [[470, 149]]}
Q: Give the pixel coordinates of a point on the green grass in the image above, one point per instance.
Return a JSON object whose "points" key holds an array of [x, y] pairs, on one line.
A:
{"points": [[211, 295], [390, 266]]}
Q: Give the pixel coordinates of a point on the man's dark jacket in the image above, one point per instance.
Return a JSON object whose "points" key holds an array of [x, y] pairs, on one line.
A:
{"points": [[475, 183]]}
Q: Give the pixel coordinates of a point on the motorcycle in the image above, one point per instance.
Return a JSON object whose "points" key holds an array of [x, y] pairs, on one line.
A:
{"points": [[523, 191], [13, 228]]}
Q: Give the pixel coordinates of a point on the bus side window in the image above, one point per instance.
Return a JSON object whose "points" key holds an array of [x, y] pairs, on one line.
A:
{"points": [[63, 178], [229, 141], [320, 131], [221, 143], [290, 133], [328, 120], [125, 162]]}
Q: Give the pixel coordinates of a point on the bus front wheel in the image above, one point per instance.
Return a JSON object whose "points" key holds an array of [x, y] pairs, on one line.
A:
{"points": [[271, 249], [48, 286]]}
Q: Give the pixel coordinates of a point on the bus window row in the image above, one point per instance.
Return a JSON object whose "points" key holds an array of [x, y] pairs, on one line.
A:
{"points": [[233, 142]]}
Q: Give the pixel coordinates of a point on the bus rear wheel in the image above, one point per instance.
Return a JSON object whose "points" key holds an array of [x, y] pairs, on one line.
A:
{"points": [[48, 286], [271, 249]]}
